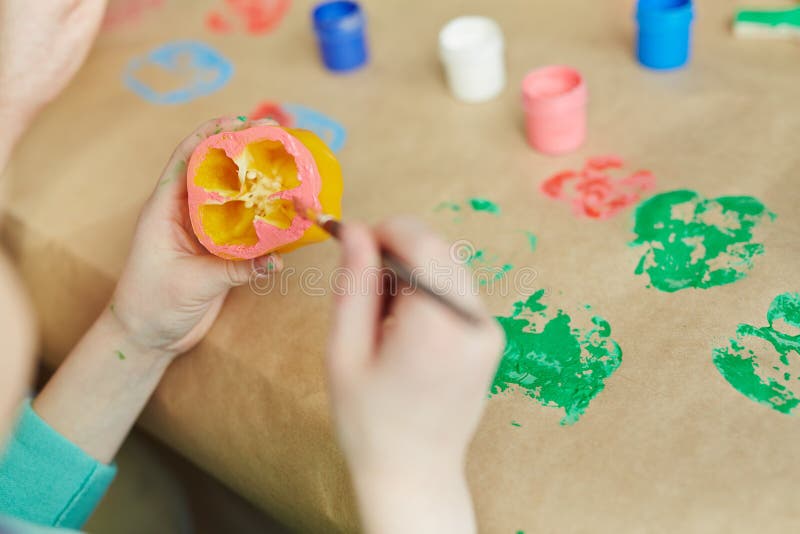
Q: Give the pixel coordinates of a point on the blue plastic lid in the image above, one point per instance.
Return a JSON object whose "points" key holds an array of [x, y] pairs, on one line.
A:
{"points": [[340, 18], [664, 12]]}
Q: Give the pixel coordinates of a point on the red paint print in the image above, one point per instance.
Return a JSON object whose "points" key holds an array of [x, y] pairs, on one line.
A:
{"points": [[593, 192], [271, 110], [121, 12], [253, 16]]}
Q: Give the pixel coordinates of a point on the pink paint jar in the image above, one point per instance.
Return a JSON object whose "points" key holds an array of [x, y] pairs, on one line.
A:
{"points": [[555, 99]]}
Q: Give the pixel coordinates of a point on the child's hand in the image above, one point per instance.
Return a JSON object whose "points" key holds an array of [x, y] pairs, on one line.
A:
{"points": [[170, 292], [172, 289], [408, 392], [42, 45]]}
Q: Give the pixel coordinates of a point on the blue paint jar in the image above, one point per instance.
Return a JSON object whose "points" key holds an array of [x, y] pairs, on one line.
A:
{"points": [[340, 28], [664, 38]]}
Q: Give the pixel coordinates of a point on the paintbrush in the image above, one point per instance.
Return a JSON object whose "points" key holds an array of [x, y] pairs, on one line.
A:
{"points": [[396, 266]]}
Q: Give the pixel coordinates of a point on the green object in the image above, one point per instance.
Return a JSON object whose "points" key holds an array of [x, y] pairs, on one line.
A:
{"points": [[695, 242], [119, 354], [482, 204], [552, 362], [242, 118], [747, 371], [771, 21], [514, 423]]}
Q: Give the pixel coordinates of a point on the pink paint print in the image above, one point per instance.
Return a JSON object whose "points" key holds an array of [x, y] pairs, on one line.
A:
{"points": [[274, 111], [252, 16], [124, 12], [594, 191]]}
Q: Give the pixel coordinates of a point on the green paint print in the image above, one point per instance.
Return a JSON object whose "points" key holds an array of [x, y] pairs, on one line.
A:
{"points": [[242, 118], [695, 242], [120, 355], [748, 372], [551, 361], [481, 204], [514, 423]]}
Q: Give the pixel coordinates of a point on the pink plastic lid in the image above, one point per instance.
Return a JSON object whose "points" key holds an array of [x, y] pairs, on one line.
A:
{"points": [[553, 88]]}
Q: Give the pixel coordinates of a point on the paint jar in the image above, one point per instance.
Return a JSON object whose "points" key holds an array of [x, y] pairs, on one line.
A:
{"points": [[555, 100], [340, 28], [664, 37], [471, 49]]}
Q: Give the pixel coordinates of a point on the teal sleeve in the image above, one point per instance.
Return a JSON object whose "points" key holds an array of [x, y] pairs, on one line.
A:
{"points": [[46, 479]]}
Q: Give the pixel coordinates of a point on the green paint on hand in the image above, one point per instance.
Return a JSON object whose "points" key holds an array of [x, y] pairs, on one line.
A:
{"points": [[481, 204], [748, 372], [532, 240], [555, 364], [119, 354], [695, 242], [242, 118], [514, 423]]}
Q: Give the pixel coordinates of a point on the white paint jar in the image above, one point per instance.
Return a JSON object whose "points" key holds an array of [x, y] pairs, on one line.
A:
{"points": [[472, 49]]}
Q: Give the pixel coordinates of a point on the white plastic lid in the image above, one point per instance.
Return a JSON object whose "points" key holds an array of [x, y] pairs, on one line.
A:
{"points": [[468, 37]]}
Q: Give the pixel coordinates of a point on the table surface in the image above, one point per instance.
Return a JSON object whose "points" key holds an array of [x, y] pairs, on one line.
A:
{"points": [[668, 446]]}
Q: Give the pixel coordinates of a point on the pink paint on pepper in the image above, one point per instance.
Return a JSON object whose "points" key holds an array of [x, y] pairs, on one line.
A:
{"points": [[593, 192]]}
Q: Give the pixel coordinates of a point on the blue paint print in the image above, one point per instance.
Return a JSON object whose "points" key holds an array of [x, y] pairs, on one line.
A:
{"points": [[326, 128], [197, 69]]}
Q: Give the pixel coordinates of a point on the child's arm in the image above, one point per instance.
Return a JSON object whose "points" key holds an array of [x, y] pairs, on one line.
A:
{"points": [[408, 391], [169, 294]]}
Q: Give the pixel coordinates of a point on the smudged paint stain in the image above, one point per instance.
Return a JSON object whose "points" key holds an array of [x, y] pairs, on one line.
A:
{"points": [[482, 204], [119, 354], [593, 191], [124, 12], [274, 111], [695, 242], [325, 127], [447, 206], [192, 69], [553, 362], [255, 17], [486, 267], [296, 116], [514, 423], [532, 240], [479, 258], [770, 377]]}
